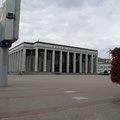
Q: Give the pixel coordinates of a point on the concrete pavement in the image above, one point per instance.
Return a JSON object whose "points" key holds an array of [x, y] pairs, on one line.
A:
{"points": [[50, 97]]}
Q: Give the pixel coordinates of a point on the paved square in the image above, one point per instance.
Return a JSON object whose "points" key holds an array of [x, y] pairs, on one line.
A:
{"points": [[79, 98], [50, 97]]}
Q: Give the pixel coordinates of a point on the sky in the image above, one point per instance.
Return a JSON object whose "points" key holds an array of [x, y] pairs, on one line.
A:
{"points": [[92, 24]]}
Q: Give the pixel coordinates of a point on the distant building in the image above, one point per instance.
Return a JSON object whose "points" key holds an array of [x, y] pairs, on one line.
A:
{"points": [[104, 66], [52, 58]]}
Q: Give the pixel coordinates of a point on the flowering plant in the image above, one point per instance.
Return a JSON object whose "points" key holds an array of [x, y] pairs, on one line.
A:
{"points": [[115, 65]]}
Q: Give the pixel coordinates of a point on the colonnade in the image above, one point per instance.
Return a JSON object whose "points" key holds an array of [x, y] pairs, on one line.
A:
{"points": [[17, 61], [26, 60]]}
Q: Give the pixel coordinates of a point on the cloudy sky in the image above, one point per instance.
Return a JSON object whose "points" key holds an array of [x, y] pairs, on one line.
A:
{"points": [[93, 24]]}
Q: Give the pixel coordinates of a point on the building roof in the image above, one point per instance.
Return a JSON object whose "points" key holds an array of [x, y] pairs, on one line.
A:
{"points": [[104, 60], [54, 44]]}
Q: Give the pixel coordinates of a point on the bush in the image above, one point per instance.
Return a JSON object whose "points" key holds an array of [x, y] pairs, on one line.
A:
{"points": [[115, 65]]}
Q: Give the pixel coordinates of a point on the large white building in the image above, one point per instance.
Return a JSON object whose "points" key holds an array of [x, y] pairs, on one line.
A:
{"points": [[52, 58]]}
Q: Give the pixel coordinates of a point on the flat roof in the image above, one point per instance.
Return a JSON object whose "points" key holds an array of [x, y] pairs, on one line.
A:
{"points": [[54, 44]]}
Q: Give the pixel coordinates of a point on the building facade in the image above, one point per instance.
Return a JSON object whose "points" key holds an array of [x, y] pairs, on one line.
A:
{"points": [[52, 58], [104, 66]]}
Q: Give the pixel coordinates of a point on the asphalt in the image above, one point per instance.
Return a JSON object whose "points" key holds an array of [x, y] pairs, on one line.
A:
{"points": [[52, 97]]}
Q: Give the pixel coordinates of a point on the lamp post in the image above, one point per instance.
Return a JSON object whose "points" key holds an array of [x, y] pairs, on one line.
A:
{"points": [[9, 30]]}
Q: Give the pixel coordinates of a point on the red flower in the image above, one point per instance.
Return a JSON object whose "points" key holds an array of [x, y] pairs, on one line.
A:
{"points": [[115, 65]]}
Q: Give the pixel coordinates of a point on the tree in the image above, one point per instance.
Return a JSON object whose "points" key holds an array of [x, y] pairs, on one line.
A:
{"points": [[115, 65]]}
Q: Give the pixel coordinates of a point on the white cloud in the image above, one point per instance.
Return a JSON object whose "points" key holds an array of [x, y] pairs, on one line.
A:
{"points": [[92, 24]]}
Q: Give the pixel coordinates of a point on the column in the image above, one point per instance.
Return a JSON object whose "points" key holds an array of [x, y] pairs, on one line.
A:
{"points": [[15, 66], [96, 63], [86, 64], [36, 59], [11, 62], [15, 63], [20, 68], [67, 62], [17, 60], [91, 63], [74, 63], [24, 60], [8, 63], [60, 62], [53, 61], [19, 57], [45, 60], [80, 62]]}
